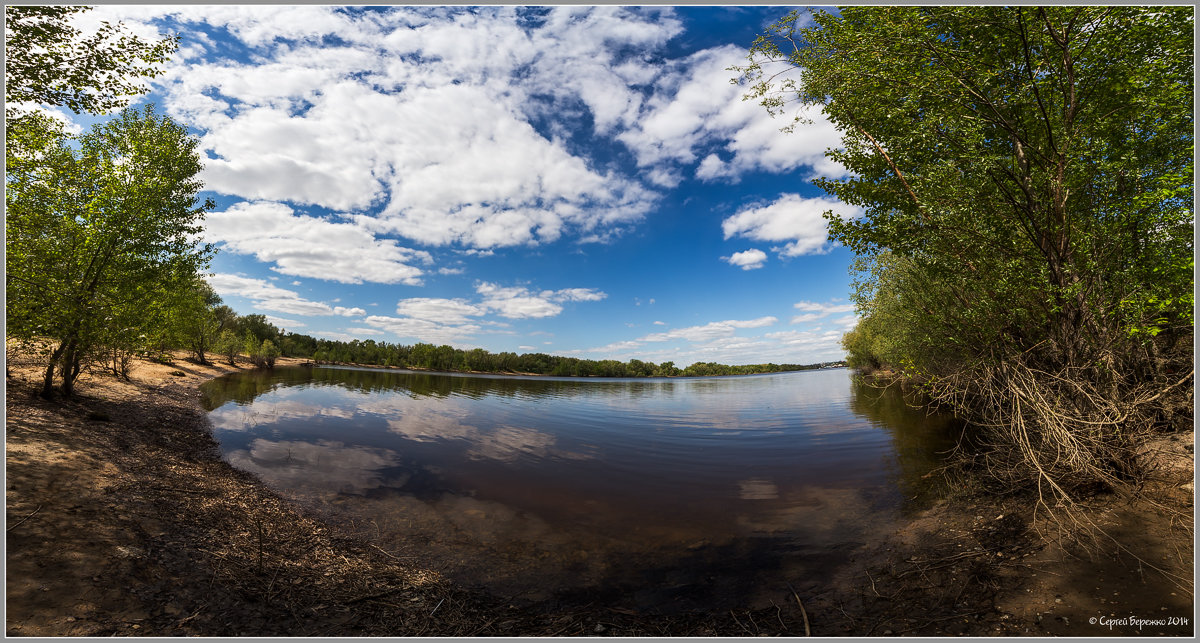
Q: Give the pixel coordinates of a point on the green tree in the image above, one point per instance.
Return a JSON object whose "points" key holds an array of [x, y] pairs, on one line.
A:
{"points": [[94, 226], [226, 317], [250, 345], [228, 345], [50, 62], [1010, 149], [258, 327], [1026, 178], [267, 354], [478, 359], [194, 311]]}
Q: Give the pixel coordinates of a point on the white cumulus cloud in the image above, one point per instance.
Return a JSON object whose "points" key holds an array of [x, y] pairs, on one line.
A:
{"points": [[721, 342], [574, 294], [453, 321], [518, 302], [696, 113], [267, 296], [824, 308], [445, 311], [747, 259], [452, 125], [418, 120], [813, 311], [423, 330], [709, 331], [793, 219], [283, 323], [306, 246]]}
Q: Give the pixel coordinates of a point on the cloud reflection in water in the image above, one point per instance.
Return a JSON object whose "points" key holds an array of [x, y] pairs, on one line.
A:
{"points": [[320, 468]]}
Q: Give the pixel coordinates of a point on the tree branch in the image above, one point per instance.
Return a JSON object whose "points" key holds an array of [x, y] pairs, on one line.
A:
{"points": [[896, 170]]}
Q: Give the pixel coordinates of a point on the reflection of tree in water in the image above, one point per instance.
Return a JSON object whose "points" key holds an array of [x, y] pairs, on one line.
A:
{"points": [[921, 440], [244, 387]]}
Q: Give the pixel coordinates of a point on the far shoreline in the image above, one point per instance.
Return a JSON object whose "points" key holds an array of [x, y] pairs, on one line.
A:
{"points": [[430, 371]]}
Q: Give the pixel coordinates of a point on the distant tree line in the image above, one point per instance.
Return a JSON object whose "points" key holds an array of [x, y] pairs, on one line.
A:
{"points": [[231, 335]]}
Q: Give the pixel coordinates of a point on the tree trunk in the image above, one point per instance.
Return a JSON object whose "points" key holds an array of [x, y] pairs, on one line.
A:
{"points": [[200, 349], [70, 368], [48, 380]]}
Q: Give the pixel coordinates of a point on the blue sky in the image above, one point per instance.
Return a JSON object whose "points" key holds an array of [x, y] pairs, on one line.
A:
{"points": [[571, 180]]}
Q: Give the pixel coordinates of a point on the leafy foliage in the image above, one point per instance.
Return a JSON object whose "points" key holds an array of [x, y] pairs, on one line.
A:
{"points": [[227, 345], [263, 355], [99, 228], [102, 257], [1026, 175], [1035, 161], [48, 61], [190, 317]]}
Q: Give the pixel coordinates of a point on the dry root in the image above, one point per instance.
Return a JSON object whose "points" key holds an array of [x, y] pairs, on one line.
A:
{"points": [[1064, 434]]}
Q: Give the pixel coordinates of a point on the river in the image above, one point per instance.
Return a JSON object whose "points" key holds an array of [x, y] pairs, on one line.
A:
{"points": [[663, 494]]}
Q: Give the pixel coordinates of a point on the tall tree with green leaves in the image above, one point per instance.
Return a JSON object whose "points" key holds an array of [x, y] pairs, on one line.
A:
{"points": [[1027, 180], [94, 225], [193, 315], [96, 228], [1053, 140]]}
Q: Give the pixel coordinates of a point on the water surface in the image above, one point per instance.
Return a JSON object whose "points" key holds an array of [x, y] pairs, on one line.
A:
{"points": [[657, 493]]}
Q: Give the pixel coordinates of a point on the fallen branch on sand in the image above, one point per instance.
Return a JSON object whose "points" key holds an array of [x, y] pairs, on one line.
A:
{"points": [[18, 524], [803, 613]]}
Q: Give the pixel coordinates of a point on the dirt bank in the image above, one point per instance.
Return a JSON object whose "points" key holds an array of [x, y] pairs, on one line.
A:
{"points": [[123, 520]]}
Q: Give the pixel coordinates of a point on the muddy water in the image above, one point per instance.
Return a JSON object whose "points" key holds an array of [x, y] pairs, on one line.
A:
{"points": [[657, 494]]}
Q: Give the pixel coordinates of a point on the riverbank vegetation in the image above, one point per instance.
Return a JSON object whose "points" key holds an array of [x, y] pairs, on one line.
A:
{"points": [[1025, 256], [193, 318]]}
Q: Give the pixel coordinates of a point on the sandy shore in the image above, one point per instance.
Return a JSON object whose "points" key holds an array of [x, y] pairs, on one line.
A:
{"points": [[123, 520]]}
